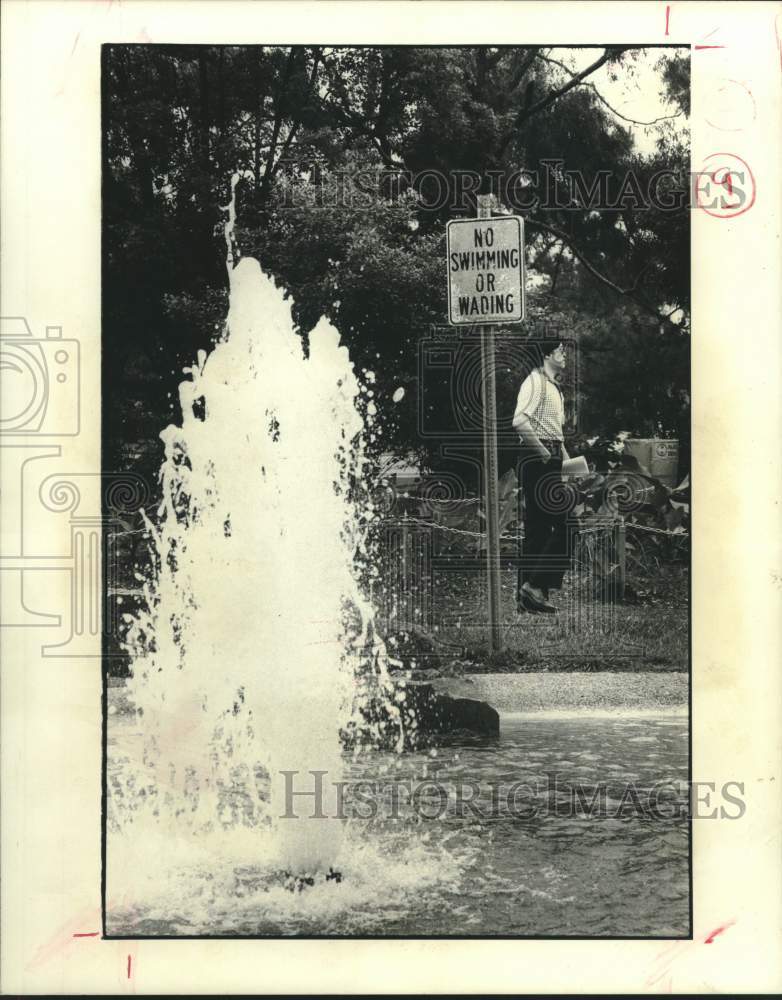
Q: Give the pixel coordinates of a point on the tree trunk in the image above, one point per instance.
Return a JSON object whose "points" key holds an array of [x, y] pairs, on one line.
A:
{"points": [[258, 102]]}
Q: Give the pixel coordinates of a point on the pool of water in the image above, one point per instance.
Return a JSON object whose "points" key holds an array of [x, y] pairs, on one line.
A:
{"points": [[477, 838]]}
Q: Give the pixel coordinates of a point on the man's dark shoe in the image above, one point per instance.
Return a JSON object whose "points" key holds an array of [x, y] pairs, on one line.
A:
{"points": [[524, 604], [537, 606]]}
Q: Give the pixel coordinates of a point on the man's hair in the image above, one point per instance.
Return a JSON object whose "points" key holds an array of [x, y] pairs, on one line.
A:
{"points": [[537, 350]]}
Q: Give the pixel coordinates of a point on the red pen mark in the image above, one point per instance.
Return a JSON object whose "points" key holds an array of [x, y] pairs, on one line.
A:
{"points": [[130, 962], [709, 46], [731, 173], [663, 964], [718, 930], [63, 937], [667, 18], [669, 956], [88, 934], [736, 105]]}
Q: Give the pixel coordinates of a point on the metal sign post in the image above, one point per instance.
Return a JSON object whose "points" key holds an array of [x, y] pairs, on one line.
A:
{"points": [[491, 466], [485, 287]]}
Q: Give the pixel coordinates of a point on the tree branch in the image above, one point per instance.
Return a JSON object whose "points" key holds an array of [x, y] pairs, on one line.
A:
{"points": [[545, 102], [525, 64], [278, 110], [590, 267], [557, 266], [542, 253], [353, 121], [574, 81], [336, 101], [599, 96], [297, 124]]}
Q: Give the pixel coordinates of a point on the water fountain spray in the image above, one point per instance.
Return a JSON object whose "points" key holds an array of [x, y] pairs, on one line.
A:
{"points": [[245, 656]]}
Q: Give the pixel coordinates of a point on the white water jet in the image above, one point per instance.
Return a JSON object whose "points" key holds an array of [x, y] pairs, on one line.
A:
{"points": [[244, 656]]}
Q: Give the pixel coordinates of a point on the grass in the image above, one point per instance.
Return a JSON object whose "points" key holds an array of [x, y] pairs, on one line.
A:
{"points": [[650, 634]]}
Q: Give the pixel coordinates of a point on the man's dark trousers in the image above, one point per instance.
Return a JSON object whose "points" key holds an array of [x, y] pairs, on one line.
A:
{"points": [[545, 552]]}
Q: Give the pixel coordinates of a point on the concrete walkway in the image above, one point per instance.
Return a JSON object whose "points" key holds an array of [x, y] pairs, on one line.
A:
{"points": [[637, 692]]}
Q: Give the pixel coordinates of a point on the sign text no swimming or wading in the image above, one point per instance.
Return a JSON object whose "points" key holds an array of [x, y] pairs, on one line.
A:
{"points": [[485, 270]]}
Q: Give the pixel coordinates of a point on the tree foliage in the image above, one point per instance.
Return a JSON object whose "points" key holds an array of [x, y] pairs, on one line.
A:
{"points": [[340, 150]]}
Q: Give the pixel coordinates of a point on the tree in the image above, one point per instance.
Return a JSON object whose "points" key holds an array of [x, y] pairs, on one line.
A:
{"points": [[339, 149]]}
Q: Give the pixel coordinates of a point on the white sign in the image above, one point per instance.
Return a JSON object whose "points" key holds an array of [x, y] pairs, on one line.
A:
{"points": [[485, 270]]}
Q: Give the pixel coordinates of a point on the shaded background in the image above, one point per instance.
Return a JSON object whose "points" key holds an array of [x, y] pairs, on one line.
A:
{"points": [[326, 135]]}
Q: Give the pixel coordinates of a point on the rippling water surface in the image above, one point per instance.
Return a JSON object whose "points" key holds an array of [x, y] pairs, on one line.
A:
{"points": [[471, 869]]}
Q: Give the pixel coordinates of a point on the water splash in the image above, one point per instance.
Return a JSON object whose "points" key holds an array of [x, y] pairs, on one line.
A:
{"points": [[255, 630]]}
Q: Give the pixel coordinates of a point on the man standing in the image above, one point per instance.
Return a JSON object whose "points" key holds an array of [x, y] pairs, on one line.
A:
{"points": [[539, 421]]}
